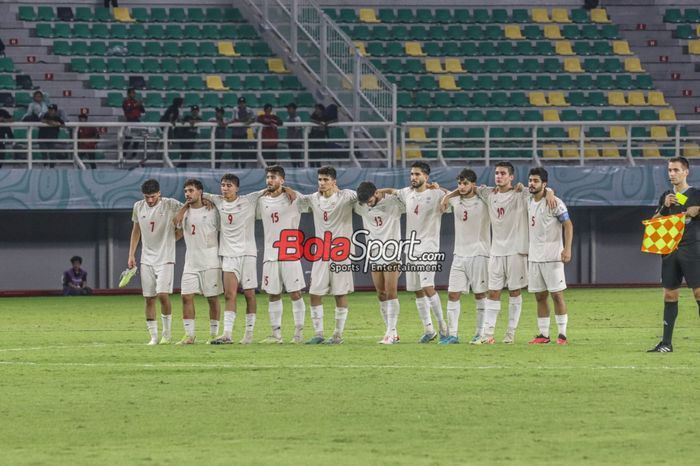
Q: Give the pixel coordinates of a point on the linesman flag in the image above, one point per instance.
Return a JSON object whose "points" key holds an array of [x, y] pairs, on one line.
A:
{"points": [[662, 234]]}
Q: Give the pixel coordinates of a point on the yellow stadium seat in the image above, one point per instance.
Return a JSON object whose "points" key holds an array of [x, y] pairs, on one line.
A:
{"points": [[227, 49], [572, 65], [563, 47], [122, 15], [413, 151], [557, 99], [637, 98], [414, 49], [694, 47], [610, 150], [361, 47], [368, 15], [433, 65], [537, 99], [659, 133], [249, 133], [618, 133], [621, 47], [667, 114], [552, 31], [574, 133], [633, 65], [569, 151], [656, 98], [447, 83], [599, 15], [616, 99], [369, 82], [540, 15], [550, 151], [560, 15], [512, 32], [550, 115], [454, 65], [215, 84], [650, 150], [691, 150], [276, 65], [417, 134], [590, 151]]}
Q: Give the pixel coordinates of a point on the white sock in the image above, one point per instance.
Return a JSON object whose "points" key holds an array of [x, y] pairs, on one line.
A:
{"points": [[562, 320], [392, 316], [189, 327], [383, 309], [298, 311], [152, 327], [250, 323], [453, 311], [480, 315], [229, 320], [341, 314], [275, 310], [515, 305], [436, 307], [491, 310], [317, 319], [167, 324], [424, 313], [543, 325], [213, 327]]}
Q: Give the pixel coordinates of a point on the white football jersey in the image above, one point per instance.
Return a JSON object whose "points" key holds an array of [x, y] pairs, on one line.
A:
{"points": [[424, 216], [472, 226], [201, 233], [508, 215], [237, 224], [333, 214], [383, 221], [277, 214], [157, 230], [546, 237]]}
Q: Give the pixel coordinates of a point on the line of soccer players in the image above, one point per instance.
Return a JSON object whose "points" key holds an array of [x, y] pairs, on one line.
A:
{"points": [[505, 237]]}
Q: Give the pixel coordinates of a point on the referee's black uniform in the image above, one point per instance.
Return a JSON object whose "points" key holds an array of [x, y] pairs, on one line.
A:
{"points": [[684, 262]]}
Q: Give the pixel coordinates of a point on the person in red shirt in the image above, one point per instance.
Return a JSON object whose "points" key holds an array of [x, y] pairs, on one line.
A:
{"points": [[87, 140], [133, 109], [270, 134]]}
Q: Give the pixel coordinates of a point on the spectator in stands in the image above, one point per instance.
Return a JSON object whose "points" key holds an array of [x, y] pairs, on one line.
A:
{"points": [[87, 141], [220, 133], [319, 133], [270, 133], [295, 147], [242, 114], [5, 133], [172, 116], [189, 133], [133, 109], [48, 134], [75, 279], [37, 108], [115, 3]]}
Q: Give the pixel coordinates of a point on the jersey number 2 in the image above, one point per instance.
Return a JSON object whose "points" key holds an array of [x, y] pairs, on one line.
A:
{"points": [[194, 229]]}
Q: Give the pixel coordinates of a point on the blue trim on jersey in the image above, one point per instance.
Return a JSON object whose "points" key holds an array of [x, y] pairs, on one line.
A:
{"points": [[563, 217]]}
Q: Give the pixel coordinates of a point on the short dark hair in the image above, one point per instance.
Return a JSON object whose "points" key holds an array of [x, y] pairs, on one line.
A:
{"points": [[76, 259], [178, 101], [682, 160], [422, 166], [150, 186], [467, 175], [231, 178], [194, 182], [508, 165], [130, 90], [328, 171], [541, 172], [266, 106], [365, 191], [275, 170]]}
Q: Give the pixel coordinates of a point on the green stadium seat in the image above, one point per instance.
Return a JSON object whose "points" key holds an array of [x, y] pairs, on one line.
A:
{"points": [[532, 32], [223, 66], [480, 99], [175, 83], [133, 65], [118, 31], [609, 115], [485, 83], [584, 81], [103, 15], [628, 115], [500, 99], [262, 49], [155, 31], [684, 31], [385, 15], [240, 65], [612, 65], [486, 49], [589, 115], [582, 48], [172, 49], [257, 65], [79, 65], [76, 48], [157, 83], [213, 15], [232, 15], [568, 115], [97, 65], [135, 49], [115, 65], [648, 115], [466, 83], [423, 99], [191, 99], [481, 15], [188, 66], [7, 81], [117, 82], [170, 66], [177, 15], [443, 15], [519, 99], [140, 15], [99, 31], [61, 47], [211, 100], [570, 32], [579, 16], [692, 15], [409, 83], [551, 65], [565, 81], [137, 31], [421, 33], [62, 30], [83, 14], [643, 82], [81, 31], [544, 82], [193, 32], [590, 31], [206, 66], [97, 48], [97, 82], [605, 81], [114, 99], [493, 33], [525, 48], [592, 65], [208, 49], [45, 13], [229, 99], [153, 100], [26, 13], [404, 99], [506, 82], [247, 31], [158, 15], [173, 31], [520, 15], [153, 49], [44, 30], [253, 83], [597, 99], [525, 82], [601, 47]]}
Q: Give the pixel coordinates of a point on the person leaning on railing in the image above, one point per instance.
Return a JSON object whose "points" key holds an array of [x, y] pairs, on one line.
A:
{"points": [[189, 133], [270, 134], [172, 116], [294, 135], [243, 149], [5, 133], [48, 134], [87, 141], [133, 109]]}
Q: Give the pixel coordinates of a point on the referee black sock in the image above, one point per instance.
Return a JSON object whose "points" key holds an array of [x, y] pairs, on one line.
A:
{"points": [[670, 314]]}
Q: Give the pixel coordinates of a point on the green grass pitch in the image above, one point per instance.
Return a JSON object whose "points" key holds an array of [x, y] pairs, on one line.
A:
{"points": [[79, 386]]}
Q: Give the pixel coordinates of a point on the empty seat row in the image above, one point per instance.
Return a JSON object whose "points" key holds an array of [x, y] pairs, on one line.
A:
{"points": [[515, 66], [139, 31], [507, 48], [155, 49], [86, 14], [674, 15]]}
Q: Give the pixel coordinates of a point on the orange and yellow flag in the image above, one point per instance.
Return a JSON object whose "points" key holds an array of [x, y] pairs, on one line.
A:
{"points": [[662, 234]]}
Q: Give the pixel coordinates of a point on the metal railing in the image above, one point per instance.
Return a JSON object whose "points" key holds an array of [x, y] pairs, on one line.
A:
{"points": [[130, 145]]}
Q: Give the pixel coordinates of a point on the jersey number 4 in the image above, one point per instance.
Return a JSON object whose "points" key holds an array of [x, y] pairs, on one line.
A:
{"points": [[415, 211]]}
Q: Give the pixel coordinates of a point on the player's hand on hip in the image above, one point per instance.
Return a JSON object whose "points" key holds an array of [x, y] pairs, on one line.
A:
{"points": [[670, 200], [566, 256]]}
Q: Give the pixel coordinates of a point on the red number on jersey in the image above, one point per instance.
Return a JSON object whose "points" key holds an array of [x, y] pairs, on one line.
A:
{"points": [[153, 225], [501, 211], [378, 221], [465, 216], [325, 216], [415, 211], [194, 229], [275, 216], [533, 220], [230, 219]]}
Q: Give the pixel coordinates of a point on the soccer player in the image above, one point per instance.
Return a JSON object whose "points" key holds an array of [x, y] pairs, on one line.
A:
{"points": [[279, 213], [332, 211], [202, 271], [684, 262], [381, 217], [471, 254], [153, 227], [547, 255]]}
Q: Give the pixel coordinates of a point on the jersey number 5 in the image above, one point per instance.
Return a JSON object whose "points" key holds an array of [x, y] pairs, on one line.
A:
{"points": [[533, 220]]}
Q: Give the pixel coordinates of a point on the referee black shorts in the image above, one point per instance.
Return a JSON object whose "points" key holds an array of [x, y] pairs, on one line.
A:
{"points": [[679, 265]]}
